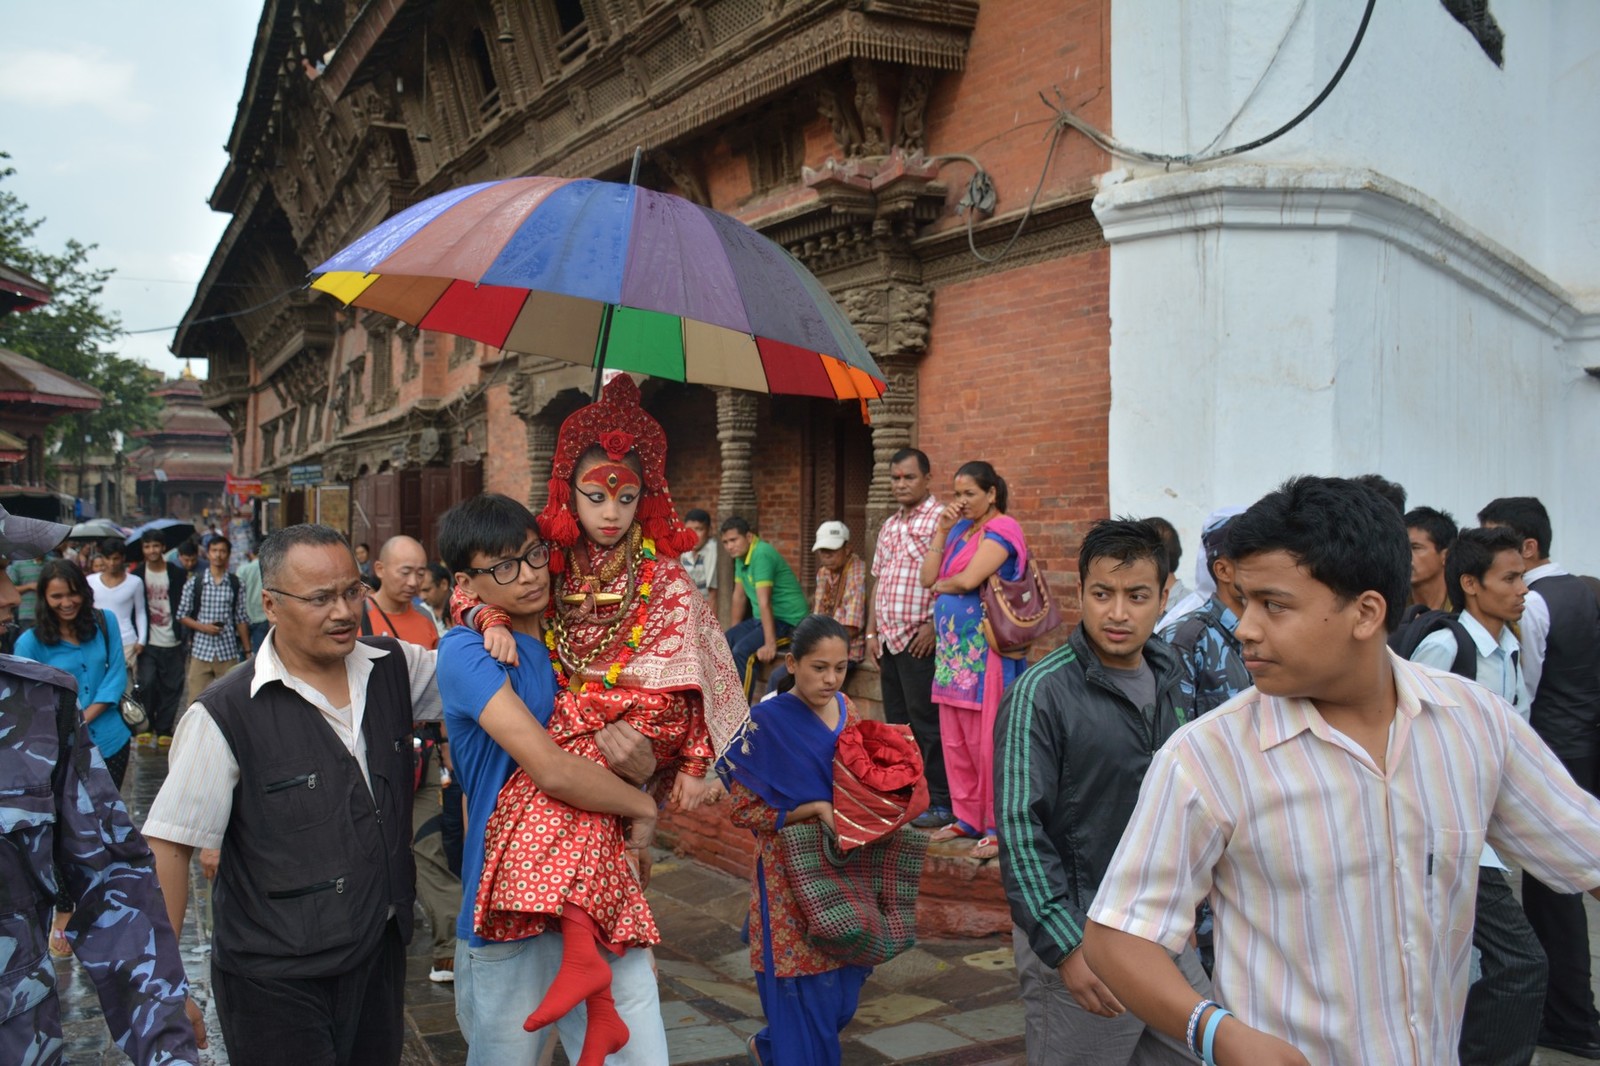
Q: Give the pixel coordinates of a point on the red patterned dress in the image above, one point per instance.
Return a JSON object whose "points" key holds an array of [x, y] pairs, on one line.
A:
{"points": [[679, 690], [544, 855]]}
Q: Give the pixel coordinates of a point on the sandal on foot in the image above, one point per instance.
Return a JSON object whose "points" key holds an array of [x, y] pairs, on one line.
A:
{"points": [[750, 1050], [986, 848], [948, 833]]}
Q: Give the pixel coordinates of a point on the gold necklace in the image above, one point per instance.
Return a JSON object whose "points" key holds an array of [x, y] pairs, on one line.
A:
{"points": [[560, 623], [592, 584]]}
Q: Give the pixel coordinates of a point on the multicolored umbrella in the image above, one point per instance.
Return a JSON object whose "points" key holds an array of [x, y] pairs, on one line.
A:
{"points": [[604, 274]]}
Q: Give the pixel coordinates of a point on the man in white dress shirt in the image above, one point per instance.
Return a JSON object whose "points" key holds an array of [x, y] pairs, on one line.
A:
{"points": [[1334, 814], [1483, 576], [1560, 634]]}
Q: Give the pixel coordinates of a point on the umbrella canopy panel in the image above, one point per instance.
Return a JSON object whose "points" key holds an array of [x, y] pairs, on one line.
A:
{"points": [[531, 264]]}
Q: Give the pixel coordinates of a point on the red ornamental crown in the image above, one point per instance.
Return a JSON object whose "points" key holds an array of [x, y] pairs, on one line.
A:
{"points": [[620, 425]]}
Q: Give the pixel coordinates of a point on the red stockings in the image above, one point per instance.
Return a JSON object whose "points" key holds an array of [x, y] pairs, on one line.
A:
{"points": [[585, 978]]}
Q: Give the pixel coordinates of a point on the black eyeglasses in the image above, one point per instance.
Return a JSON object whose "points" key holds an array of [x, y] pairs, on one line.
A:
{"points": [[323, 600], [506, 571]]}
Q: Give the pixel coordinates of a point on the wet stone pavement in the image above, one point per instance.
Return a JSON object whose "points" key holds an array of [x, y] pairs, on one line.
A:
{"points": [[944, 1003]]}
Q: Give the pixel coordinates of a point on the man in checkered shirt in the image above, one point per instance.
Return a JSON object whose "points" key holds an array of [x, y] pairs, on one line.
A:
{"points": [[900, 636], [220, 628]]}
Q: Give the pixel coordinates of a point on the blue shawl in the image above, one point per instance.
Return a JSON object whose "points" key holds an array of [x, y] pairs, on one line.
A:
{"points": [[784, 754]]}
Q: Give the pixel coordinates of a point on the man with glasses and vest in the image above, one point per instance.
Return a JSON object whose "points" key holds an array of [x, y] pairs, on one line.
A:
{"points": [[299, 768]]}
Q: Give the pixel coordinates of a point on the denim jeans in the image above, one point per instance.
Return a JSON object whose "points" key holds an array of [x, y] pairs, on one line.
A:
{"points": [[498, 985]]}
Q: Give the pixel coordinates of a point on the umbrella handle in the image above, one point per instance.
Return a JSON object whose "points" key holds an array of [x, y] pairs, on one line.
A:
{"points": [[600, 350]]}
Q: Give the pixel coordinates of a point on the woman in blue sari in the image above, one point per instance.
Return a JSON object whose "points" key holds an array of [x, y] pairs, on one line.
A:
{"points": [[779, 770]]}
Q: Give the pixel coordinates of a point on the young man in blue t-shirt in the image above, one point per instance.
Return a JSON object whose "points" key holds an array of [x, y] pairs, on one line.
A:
{"points": [[495, 715]]}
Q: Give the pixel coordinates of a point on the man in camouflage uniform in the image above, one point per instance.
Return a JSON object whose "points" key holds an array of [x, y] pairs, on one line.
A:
{"points": [[59, 811], [1204, 637]]}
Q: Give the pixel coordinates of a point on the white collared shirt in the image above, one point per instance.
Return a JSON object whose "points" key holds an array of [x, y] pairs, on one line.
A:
{"points": [[196, 800], [1497, 671], [1535, 626], [1344, 894]]}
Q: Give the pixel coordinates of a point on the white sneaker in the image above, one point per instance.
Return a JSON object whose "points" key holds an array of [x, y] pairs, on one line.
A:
{"points": [[443, 972]]}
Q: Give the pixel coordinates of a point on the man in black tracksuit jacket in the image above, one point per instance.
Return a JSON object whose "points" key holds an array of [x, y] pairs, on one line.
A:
{"points": [[1073, 741]]}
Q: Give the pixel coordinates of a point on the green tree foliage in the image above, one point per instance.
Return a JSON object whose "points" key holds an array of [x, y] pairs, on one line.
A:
{"points": [[74, 334]]}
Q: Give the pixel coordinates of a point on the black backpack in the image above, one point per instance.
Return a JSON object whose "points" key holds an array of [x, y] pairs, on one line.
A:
{"points": [[1418, 621]]}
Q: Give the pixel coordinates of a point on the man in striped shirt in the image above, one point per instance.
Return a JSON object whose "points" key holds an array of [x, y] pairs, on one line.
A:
{"points": [[1333, 814]]}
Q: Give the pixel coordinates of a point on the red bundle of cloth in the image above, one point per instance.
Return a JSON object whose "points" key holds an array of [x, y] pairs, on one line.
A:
{"points": [[878, 782]]}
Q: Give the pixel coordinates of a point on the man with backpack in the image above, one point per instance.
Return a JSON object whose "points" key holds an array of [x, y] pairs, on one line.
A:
{"points": [[1430, 532], [212, 609], [1204, 638], [1560, 636], [1483, 574]]}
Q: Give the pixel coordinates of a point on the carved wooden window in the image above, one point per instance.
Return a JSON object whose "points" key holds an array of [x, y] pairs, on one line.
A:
{"points": [[408, 349], [478, 52], [269, 442], [465, 350], [382, 373], [573, 22], [303, 418], [358, 374], [317, 412], [776, 154]]}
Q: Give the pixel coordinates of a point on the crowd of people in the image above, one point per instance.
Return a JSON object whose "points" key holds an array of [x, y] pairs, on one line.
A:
{"points": [[1266, 818]]}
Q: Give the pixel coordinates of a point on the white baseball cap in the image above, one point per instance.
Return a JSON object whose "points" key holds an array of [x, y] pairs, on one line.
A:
{"points": [[832, 536]]}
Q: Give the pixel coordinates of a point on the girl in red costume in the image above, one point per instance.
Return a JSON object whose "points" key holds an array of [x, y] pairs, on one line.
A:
{"points": [[630, 639]]}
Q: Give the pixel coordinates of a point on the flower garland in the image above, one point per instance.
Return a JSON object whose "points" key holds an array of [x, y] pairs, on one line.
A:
{"points": [[630, 642]]}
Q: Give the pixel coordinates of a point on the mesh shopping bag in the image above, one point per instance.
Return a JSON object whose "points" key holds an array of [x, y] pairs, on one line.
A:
{"points": [[859, 906]]}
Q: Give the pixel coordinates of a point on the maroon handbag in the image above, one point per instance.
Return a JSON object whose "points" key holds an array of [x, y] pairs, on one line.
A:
{"points": [[1017, 613]]}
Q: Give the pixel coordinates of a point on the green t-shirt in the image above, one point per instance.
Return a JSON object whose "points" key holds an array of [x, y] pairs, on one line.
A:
{"points": [[762, 565], [26, 572]]}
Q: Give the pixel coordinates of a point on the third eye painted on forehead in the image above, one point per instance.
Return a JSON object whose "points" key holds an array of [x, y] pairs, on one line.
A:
{"points": [[617, 480]]}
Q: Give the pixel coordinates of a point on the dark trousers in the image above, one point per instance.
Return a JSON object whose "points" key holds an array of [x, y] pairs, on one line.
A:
{"points": [[352, 1019], [1558, 920], [746, 638], [161, 680], [907, 683], [1505, 1006], [450, 826]]}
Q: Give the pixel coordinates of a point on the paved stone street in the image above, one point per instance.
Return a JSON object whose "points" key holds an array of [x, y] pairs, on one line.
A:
{"points": [[945, 1003]]}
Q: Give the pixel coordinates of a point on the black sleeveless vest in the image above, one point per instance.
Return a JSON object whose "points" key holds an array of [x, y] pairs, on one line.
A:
{"points": [[312, 860], [1566, 705]]}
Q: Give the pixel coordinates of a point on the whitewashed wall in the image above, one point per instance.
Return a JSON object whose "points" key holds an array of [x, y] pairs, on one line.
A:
{"points": [[1408, 283]]}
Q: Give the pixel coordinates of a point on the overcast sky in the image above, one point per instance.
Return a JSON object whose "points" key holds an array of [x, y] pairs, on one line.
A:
{"points": [[115, 113]]}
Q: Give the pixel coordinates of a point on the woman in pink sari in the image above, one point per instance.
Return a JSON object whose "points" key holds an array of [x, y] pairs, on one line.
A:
{"points": [[973, 540]]}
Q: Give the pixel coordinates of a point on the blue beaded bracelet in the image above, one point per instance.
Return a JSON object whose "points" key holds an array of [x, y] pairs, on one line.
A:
{"points": [[1194, 1024], [1211, 1034]]}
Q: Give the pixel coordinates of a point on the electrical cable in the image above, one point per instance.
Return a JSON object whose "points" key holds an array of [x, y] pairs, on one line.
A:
{"points": [[221, 317], [1117, 148], [980, 187], [1249, 97]]}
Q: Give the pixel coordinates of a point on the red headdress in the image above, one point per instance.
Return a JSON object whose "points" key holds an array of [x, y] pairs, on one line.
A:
{"points": [[619, 425]]}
